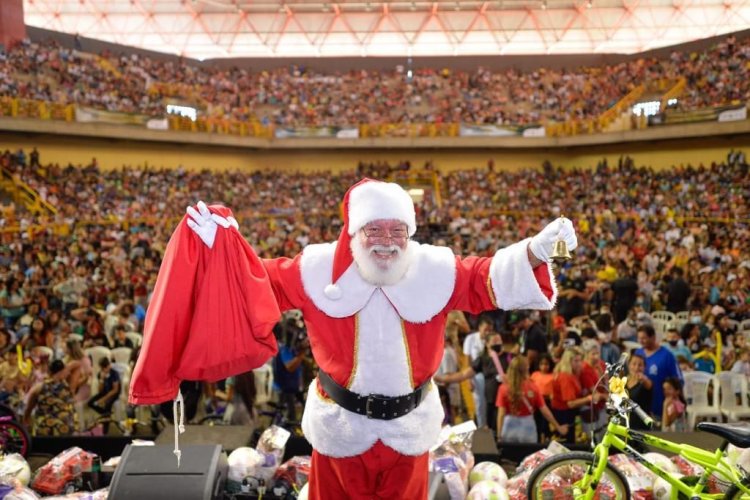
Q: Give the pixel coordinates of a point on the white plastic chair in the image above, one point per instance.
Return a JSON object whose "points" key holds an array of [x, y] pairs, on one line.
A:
{"points": [[44, 351], [263, 383], [665, 316], [573, 329], [136, 338], [118, 408], [630, 345], [76, 336], [732, 385], [96, 353], [122, 355], [745, 325], [660, 327], [697, 387], [683, 316]]}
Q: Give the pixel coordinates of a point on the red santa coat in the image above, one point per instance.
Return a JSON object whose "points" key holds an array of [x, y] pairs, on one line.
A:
{"points": [[389, 340]]}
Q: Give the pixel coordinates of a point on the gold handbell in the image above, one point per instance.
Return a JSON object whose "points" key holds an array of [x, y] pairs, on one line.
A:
{"points": [[560, 253]]}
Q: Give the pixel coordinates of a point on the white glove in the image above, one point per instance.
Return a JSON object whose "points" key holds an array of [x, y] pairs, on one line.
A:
{"points": [[543, 243], [205, 224]]}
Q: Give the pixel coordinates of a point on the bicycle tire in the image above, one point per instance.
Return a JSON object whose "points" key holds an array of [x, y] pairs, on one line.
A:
{"points": [[13, 432], [735, 493], [536, 486]]}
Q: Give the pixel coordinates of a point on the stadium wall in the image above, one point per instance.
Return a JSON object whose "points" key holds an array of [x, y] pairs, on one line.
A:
{"points": [[116, 153]]}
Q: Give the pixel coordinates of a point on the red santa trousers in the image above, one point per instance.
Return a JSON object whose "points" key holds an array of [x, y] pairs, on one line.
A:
{"points": [[380, 472]]}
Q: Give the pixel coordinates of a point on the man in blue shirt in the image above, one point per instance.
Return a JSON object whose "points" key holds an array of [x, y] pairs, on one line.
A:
{"points": [[660, 365]]}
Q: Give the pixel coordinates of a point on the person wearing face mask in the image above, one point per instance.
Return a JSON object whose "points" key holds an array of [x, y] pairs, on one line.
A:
{"points": [[492, 365], [626, 330], [676, 345], [610, 353]]}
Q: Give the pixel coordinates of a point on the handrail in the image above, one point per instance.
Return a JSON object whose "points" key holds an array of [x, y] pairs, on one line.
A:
{"points": [[108, 66], [674, 92], [26, 195]]}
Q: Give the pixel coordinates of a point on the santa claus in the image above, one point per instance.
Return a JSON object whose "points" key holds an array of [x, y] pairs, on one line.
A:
{"points": [[375, 305]]}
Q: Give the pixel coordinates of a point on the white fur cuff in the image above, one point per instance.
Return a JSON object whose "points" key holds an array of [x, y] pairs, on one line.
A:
{"points": [[513, 280]]}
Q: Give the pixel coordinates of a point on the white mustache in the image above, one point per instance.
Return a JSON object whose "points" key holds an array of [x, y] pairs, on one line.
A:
{"points": [[385, 249]]}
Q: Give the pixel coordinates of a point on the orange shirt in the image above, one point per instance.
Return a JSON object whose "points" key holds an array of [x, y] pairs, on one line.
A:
{"points": [[544, 382], [565, 387], [531, 399]]}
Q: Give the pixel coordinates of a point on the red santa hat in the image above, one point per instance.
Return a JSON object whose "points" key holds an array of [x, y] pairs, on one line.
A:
{"points": [[367, 201]]}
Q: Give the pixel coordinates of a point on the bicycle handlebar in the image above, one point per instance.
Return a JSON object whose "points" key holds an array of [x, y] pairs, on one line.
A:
{"points": [[645, 418]]}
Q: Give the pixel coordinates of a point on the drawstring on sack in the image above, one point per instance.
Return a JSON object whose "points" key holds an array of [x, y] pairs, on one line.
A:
{"points": [[178, 405]]}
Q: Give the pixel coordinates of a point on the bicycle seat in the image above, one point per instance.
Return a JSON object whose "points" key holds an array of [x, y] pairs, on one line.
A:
{"points": [[738, 433]]}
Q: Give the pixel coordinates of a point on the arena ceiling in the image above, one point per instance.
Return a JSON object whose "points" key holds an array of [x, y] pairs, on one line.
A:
{"points": [[205, 29]]}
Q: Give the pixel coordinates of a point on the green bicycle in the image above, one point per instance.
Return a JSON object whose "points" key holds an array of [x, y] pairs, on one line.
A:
{"points": [[589, 476]]}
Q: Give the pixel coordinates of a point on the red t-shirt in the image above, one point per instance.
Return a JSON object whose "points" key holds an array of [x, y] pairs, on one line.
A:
{"points": [[590, 376], [566, 387], [531, 399]]}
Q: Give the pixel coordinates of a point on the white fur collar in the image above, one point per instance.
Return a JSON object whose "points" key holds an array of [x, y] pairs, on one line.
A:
{"points": [[421, 294]]}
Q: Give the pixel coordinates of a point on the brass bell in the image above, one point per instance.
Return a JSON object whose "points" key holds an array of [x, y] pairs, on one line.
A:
{"points": [[560, 253]]}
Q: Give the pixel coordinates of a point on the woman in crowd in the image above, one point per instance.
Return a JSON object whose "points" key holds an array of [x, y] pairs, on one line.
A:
{"points": [[568, 396], [239, 396], [39, 335], [593, 380], [53, 402], [639, 388], [517, 401], [79, 370]]}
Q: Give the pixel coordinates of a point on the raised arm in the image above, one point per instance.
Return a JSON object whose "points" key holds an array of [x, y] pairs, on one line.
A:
{"points": [[516, 277]]}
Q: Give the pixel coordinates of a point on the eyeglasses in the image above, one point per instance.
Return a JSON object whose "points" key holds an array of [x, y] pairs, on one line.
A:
{"points": [[378, 233]]}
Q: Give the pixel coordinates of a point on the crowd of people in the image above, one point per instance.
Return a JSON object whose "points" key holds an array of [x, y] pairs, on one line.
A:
{"points": [[296, 96], [674, 239]]}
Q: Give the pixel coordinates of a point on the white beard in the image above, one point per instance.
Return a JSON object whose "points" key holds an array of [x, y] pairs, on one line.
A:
{"points": [[376, 272]]}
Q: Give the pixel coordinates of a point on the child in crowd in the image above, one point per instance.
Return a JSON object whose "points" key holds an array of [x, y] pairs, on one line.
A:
{"points": [[673, 414], [742, 365], [704, 361]]}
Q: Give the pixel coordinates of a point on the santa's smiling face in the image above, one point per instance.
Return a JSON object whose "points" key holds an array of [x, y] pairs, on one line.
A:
{"points": [[380, 250]]}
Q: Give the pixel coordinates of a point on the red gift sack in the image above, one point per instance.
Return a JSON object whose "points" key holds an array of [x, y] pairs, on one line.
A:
{"points": [[211, 315]]}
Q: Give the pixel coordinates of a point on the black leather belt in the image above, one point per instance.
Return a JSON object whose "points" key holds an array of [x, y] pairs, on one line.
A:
{"points": [[374, 405]]}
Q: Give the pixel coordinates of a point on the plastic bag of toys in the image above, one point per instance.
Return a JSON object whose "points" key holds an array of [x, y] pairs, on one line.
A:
{"points": [[63, 474], [18, 492], [271, 445], [516, 486], [244, 464], [14, 470], [452, 457], [640, 479], [83, 495], [291, 477]]}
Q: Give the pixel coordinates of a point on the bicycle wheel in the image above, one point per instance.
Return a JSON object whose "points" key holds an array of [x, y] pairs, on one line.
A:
{"points": [[556, 478], [14, 438], [735, 493]]}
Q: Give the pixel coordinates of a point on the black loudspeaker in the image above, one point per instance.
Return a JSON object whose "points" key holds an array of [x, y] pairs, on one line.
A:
{"points": [[150, 472]]}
